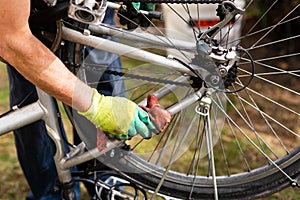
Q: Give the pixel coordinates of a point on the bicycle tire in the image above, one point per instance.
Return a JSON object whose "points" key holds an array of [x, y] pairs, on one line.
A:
{"points": [[264, 181], [251, 181]]}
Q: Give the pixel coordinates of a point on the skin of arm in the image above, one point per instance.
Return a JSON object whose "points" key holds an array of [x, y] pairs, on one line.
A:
{"points": [[34, 60]]}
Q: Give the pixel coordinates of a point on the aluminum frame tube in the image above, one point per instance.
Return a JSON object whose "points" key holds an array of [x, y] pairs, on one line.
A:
{"points": [[122, 50], [185, 102], [22, 117], [54, 131], [148, 38]]}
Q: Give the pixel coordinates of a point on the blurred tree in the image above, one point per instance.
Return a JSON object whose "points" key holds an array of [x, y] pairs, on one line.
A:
{"points": [[277, 12]]}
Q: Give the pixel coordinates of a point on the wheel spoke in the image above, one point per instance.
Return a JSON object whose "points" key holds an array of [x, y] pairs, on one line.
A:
{"points": [[247, 132], [220, 106], [253, 129], [277, 24], [274, 42], [198, 150], [167, 140], [262, 16], [255, 145], [271, 118], [267, 122], [263, 30], [198, 146], [291, 72], [278, 70], [220, 140], [277, 57], [260, 142], [273, 83]]}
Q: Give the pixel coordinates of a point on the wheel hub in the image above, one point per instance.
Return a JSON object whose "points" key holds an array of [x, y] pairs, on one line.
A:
{"points": [[216, 66]]}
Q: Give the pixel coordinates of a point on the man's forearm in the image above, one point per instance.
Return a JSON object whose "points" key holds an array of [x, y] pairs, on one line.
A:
{"points": [[34, 60], [41, 67]]}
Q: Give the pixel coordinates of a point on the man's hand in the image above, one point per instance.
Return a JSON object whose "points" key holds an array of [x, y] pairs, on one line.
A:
{"points": [[132, 17], [158, 115], [119, 117]]}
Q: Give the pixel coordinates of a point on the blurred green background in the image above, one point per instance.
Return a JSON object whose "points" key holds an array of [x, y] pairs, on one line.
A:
{"points": [[12, 182]]}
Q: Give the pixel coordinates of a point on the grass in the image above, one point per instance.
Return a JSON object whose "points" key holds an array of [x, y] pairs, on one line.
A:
{"points": [[12, 181]]}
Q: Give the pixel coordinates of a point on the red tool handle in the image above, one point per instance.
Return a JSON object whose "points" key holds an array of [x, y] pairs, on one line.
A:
{"points": [[158, 115]]}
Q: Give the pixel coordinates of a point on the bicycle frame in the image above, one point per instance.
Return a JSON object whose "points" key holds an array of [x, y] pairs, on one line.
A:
{"points": [[45, 109], [135, 53]]}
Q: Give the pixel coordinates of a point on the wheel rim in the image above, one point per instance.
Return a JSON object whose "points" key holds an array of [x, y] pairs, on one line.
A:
{"points": [[259, 123]]}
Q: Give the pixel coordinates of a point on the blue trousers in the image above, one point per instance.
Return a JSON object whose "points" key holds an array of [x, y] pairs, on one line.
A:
{"points": [[35, 148]]}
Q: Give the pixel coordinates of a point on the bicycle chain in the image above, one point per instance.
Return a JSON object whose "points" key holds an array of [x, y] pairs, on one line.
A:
{"points": [[139, 77]]}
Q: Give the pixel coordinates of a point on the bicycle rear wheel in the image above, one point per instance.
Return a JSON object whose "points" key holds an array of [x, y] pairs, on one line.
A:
{"points": [[253, 118]]}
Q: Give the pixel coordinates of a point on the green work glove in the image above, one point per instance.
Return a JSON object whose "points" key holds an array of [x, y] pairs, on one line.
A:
{"points": [[118, 116], [132, 17]]}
